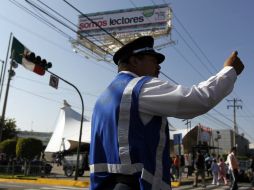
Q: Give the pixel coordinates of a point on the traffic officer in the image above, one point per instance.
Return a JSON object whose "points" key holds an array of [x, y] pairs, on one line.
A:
{"points": [[130, 136]]}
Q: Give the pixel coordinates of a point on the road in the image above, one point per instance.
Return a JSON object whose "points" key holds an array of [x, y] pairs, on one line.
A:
{"points": [[242, 186], [11, 186]]}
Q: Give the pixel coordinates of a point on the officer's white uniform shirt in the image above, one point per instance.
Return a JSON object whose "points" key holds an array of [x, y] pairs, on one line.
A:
{"points": [[163, 98]]}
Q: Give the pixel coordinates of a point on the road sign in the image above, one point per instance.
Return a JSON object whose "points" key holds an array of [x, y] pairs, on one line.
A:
{"points": [[177, 138], [53, 81]]}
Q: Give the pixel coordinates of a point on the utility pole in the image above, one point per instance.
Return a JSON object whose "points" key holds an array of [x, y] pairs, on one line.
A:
{"points": [[11, 74], [187, 123], [234, 106]]}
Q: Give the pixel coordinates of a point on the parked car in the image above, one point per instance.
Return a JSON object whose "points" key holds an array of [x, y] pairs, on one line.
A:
{"points": [[40, 167], [244, 174], [69, 161]]}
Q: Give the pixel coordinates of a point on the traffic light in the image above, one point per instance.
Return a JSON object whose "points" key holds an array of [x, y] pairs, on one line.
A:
{"points": [[41, 64]]}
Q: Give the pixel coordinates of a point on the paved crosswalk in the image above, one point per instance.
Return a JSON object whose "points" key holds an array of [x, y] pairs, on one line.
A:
{"points": [[214, 187]]}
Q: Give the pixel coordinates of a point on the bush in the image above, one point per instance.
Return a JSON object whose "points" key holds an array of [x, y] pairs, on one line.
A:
{"points": [[8, 147], [28, 148]]}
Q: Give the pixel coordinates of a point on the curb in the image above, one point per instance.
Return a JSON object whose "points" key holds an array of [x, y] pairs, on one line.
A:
{"points": [[44, 181]]}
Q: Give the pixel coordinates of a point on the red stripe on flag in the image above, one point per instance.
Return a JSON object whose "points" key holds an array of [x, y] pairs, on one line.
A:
{"points": [[39, 70]]}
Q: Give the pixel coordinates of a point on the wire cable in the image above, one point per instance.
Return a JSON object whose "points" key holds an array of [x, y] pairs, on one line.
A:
{"points": [[60, 15], [80, 12], [64, 24]]}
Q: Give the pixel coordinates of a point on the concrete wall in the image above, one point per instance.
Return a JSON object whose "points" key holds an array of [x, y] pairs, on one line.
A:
{"points": [[225, 143]]}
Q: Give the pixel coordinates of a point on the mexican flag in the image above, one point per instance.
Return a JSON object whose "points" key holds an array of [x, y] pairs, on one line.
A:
{"points": [[18, 51]]}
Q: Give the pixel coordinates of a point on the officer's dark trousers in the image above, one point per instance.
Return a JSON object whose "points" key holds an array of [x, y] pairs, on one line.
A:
{"points": [[121, 182], [234, 179]]}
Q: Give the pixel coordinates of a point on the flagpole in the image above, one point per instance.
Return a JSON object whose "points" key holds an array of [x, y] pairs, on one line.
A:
{"points": [[4, 68], [81, 123]]}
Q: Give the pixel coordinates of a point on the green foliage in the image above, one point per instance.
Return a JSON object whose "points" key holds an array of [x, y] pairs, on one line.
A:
{"points": [[28, 148], [224, 156], [242, 157], [8, 147], [9, 129]]}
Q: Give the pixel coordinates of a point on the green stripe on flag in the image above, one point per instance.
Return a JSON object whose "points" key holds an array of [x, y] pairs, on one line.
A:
{"points": [[18, 49]]}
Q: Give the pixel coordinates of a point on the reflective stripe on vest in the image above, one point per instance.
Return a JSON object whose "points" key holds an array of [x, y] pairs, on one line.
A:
{"points": [[124, 122]]}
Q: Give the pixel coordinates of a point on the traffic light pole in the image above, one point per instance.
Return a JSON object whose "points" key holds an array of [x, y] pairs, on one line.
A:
{"points": [[11, 74], [4, 64], [81, 124]]}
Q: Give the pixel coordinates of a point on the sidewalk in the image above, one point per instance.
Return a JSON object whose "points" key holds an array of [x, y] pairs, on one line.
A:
{"points": [[81, 182], [188, 181], [47, 181], [58, 178]]}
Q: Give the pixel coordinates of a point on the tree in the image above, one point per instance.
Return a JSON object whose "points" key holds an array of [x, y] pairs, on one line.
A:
{"points": [[8, 147], [9, 129], [27, 149]]}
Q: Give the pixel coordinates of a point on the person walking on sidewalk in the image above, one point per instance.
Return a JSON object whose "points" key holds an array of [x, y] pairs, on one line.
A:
{"points": [[215, 172], [199, 169], [177, 166], [129, 146], [222, 171], [233, 168]]}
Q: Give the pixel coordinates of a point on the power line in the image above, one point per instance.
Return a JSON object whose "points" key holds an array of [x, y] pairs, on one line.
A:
{"points": [[49, 25], [202, 52], [39, 18], [84, 15], [195, 43], [43, 97], [187, 61], [196, 55], [60, 15], [62, 88], [168, 77], [65, 25]]}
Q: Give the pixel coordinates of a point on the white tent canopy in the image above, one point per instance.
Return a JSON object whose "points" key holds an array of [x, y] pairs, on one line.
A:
{"points": [[66, 133]]}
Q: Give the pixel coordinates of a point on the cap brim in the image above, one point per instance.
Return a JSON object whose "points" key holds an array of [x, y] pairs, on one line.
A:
{"points": [[160, 57]]}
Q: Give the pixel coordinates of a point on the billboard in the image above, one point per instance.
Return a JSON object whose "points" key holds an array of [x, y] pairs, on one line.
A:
{"points": [[204, 134], [125, 21]]}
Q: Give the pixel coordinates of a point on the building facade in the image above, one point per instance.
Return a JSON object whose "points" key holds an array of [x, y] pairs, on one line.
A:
{"points": [[43, 136]]}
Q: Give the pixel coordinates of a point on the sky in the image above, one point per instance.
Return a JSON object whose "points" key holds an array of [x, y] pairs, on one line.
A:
{"points": [[205, 33]]}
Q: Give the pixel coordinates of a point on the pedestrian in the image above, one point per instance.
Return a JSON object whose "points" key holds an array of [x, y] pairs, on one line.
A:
{"points": [[129, 146], [177, 166], [233, 168], [208, 162], [199, 169], [252, 170], [222, 171], [215, 172], [182, 166], [171, 169], [187, 164]]}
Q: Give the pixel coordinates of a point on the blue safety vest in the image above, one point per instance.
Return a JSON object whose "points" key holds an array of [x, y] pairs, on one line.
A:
{"points": [[121, 143]]}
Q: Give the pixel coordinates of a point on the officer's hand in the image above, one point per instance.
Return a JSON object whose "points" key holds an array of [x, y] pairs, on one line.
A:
{"points": [[234, 61]]}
